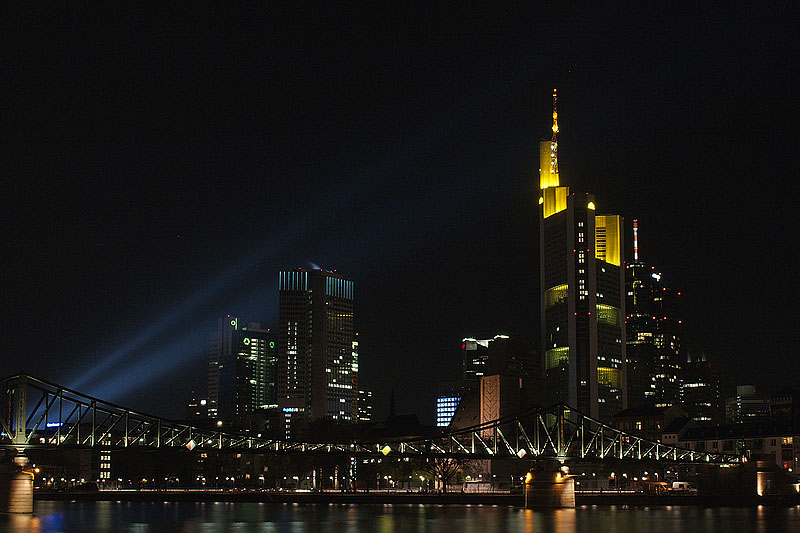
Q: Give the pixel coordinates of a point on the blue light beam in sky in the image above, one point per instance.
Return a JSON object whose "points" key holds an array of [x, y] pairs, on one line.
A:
{"points": [[405, 154]]}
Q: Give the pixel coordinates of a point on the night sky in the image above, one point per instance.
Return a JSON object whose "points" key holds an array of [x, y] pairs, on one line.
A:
{"points": [[161, 167]]}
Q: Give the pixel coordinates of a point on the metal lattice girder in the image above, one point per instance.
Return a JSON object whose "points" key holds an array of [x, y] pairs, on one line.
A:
{"points": [[559, 432], [47, 415], [57, 416]]}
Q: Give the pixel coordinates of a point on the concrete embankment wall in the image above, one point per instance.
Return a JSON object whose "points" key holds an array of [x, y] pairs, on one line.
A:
{"points": [[288, 497], [515, 500]]}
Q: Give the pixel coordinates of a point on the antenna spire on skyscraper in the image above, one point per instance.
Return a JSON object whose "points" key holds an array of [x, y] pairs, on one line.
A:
{"points": [[554, 139], [548, 155]]}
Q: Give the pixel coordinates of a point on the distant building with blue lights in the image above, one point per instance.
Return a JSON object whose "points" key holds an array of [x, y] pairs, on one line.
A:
{"points": [[448, 398]]}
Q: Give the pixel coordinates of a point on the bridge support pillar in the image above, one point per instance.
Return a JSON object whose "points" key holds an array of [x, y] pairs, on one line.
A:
{"points": [[549, 488], [16, 487]]}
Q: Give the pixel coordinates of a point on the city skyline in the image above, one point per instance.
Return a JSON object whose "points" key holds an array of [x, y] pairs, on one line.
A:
{"points": [[152, 192]]}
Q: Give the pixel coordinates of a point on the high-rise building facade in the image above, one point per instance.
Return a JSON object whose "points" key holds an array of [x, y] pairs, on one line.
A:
{"points": [[354, 380], [241, 371], [364, 406], [247, 374], [700, 391], [315, 351], [448, 397], [746, 406], [221, 345], [483, 358], [475, 353], [581, 295], [653, 331]]}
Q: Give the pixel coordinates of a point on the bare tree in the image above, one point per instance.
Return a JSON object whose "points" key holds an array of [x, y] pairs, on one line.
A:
{"points": [[444, 469]]}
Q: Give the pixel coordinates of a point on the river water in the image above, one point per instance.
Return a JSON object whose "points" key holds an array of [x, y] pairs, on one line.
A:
{"points": [[137, 517]]}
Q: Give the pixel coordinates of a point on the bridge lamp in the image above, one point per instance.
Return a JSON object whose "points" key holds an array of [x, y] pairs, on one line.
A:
{"points": [[521, 453]]}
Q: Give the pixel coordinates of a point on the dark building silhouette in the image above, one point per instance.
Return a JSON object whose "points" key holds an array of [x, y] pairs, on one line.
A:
{"points": [[746, 407], [700, 391], [784, 407], [475, 355], [221, 344], [364, 406], [514, 360]]}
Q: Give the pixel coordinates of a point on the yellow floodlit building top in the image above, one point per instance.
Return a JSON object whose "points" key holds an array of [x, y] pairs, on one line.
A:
{"points": [[548, 165], [555, 200], [607, 241]]}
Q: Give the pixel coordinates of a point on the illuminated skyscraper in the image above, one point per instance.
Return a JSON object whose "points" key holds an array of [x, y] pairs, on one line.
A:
{"points": [[241, 372], [247, 375], [653, 334], [581, 294], [315, 348]]}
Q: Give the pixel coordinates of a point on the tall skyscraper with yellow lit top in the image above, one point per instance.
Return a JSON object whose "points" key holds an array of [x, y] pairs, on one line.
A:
{"points": [[581, 293]]}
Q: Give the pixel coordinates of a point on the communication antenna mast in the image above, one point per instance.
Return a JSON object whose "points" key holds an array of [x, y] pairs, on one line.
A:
{"points": [[635, 240], [554, 139]]}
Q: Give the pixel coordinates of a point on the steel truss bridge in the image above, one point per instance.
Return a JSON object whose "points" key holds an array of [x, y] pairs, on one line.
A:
{"points": [[41, 414]]}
